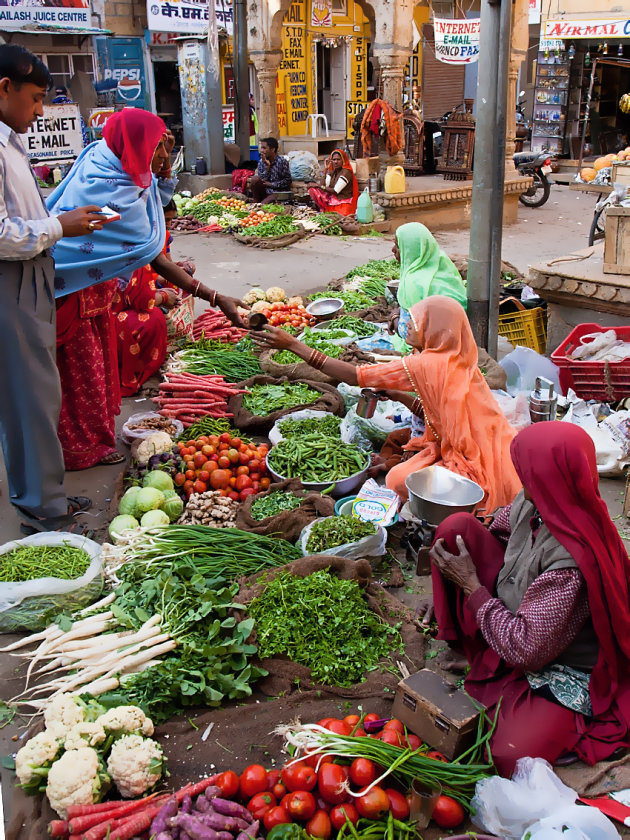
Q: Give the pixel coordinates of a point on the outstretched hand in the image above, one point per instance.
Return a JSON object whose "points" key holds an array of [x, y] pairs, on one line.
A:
{"points": [[458, 568]]}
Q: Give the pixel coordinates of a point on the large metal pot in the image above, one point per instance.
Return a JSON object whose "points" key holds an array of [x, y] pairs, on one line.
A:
{"points": [[435, 493]]}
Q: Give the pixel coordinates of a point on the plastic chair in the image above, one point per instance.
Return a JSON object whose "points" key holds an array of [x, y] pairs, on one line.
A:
{"points": [[315, 118]]}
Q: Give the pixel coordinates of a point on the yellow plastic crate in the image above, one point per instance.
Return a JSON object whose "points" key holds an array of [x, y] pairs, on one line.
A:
{"points": [[526, 327]]}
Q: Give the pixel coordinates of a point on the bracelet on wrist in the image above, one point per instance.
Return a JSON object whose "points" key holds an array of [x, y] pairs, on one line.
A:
{"points": [[213, 297]]}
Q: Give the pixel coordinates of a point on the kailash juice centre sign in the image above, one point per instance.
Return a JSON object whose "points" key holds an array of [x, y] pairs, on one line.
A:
{"points": [[456, 41], [67, 14]]}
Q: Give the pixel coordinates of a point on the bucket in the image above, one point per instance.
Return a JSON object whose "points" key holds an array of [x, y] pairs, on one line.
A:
{"points": [[435, 493]]}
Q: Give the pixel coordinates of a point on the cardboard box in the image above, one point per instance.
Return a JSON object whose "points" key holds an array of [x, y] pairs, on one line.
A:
{"points": [[617, 241], [437, 712]]}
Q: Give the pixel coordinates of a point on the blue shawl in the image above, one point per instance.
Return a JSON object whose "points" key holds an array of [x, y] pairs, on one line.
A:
{"points": [[97, 177]]}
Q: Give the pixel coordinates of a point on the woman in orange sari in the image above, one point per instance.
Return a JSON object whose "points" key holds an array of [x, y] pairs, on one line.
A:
{"points": [[466, 432], [340, 191]]}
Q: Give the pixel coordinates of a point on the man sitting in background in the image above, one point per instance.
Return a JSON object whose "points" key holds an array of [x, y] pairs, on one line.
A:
{"points": [[273, 175]]}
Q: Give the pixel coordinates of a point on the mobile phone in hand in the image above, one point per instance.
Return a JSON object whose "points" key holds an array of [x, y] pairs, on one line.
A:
{"points": [[112, 215]]}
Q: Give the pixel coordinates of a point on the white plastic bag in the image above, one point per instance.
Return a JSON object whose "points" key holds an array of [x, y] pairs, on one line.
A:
{"points": [[508, 807], [371, 433], [573, 822], [131, 435], [371, 546], [275, 435], [515, 409], [523, 365], [32, 604]]}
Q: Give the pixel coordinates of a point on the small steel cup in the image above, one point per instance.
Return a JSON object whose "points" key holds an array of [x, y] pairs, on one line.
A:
{"points": [[422, 801]]}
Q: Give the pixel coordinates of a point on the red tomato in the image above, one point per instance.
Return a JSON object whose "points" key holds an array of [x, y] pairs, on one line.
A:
{"points": [[302, 805], [436, 756], [398, 804], [273, 777], [264, 485], [351, 720], [390, 736], [319, 825], [190, 475], [339, 727], [260, 804], [243, 458], [360, 733], [363, 772], [414, 742], [395, 725], [248, 491], [276, 816], [373, 804], [279, 790], [340, 812], [188, 485], [448, 813], [208, 450], [242, 470], [204, 475], [225, 437], [199, 460], [305, 778], [224, 463], [253, 780], [180, 478], [288, 774], [243, 481], [233, 455], [371, 717], [316, 760], [200, 487], [237, 443], [332, 784], [229, 784], [284, 802], [234, 496], [220, 479]]}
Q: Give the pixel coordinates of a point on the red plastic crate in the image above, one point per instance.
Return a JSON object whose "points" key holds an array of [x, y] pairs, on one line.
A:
{"points": [[604, 381]]}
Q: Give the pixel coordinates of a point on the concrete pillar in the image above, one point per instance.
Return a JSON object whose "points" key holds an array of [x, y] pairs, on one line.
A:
{"points": [[392, 75], [266, 64], [518, 54]]}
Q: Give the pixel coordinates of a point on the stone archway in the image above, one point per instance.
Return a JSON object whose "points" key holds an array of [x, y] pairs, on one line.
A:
{"points": [[265, 39]]}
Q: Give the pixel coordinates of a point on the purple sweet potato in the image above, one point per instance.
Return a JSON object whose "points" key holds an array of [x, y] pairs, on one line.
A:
{"points": [[187, 805], [211, 791], [218, 822], [250, 832], [169, 810], [226, 835], [202, 805], [194, 827], [231, 809]]}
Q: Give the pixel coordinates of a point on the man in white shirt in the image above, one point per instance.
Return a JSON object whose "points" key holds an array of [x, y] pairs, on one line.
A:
{"points": [[29, 381]]}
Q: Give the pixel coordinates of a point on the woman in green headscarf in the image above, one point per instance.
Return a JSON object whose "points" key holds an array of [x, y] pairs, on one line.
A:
{"points": [[425, 270]]}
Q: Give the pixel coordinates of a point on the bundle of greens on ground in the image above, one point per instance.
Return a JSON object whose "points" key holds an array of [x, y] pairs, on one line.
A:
{"points": [[265, 399], [314, 458], [328, 426], [352, 300], [167, 637], [337, 530], [361, 328], [272, 504], [206, 357], [324, 623], [318, 340], [277, 226]]}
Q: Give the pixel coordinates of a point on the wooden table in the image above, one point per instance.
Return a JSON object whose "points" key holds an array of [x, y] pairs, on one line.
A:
{"points": [[594, 189]]}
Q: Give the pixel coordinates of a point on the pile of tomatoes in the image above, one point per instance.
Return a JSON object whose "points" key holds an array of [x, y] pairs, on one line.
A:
{"points": [[231, 203], [222, 462], [296, 315], [314, 792], [257, 218]]}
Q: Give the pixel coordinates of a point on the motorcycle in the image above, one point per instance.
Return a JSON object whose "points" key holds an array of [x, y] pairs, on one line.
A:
{"points": [[536, 165]]}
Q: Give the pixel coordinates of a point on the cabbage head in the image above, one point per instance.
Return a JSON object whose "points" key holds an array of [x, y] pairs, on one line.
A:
{"points": [[149, 499], [120, 524], [154, 519], [158, 479], [173, 507], [128, 502]]}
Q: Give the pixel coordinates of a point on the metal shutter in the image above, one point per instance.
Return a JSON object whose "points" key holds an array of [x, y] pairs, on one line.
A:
{"points": [[442, 84]]}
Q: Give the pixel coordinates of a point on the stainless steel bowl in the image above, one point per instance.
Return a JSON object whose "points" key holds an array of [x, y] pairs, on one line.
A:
{"points": [[325, 309], [435, 493]]}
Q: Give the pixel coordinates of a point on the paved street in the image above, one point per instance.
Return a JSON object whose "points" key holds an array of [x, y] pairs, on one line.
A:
{"points": [[558, 228]]}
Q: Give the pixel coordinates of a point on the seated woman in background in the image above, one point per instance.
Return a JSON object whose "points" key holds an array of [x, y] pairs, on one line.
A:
{"points": [[340, 191], [425, 270], [466, 431], [544, 622]]}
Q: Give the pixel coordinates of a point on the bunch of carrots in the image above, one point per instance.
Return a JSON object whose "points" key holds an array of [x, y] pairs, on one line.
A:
{"points": [[188, 397], [213, 324], [119, 820]]}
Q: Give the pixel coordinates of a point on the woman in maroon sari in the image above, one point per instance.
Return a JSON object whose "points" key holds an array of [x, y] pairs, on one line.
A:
{"points": [[544, 622]]}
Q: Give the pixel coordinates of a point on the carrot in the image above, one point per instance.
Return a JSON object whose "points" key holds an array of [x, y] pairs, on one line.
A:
{"points": [[196, 788], [98, 807], [79, 824], [135, 824], [58, 828]]}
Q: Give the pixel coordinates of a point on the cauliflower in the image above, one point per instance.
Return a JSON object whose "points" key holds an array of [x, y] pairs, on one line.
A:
{"points": [[260, 305], [126, 719], [295, 301], [253, 296], [34, 759], [66, 710], [275, 294], [78, 778], [155, 444], [85, 735], [135, 764]]}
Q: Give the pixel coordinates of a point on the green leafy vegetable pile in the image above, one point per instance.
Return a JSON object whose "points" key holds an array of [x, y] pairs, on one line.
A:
{"points": [[329, 224], [277, 226], [324, 623], [328, 426], [207, 357], [314, 458], [337, 530], [386, 269], [361, 328], [272, 504], [265, 399], [352, 300]]}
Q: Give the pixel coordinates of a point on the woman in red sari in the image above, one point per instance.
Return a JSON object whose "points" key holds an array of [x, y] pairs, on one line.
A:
{"points": [[544, 622], [340, 191]]}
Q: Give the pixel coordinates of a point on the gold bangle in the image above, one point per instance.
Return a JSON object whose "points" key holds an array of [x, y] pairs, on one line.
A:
{"points": [[214, 298]]}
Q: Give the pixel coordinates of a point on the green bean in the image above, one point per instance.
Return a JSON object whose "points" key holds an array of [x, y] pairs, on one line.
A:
{"points": [[315, 458], [29, 562], [329, 426]]}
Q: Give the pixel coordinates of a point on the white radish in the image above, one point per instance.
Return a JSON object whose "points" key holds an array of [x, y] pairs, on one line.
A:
{"points": [[101, 686], [104, 602], [51, 630]]}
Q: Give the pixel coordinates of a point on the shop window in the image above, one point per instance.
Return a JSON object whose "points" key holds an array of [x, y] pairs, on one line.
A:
{"points": [[63, 66], [340, 7], [83, 63]]}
